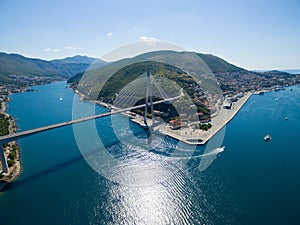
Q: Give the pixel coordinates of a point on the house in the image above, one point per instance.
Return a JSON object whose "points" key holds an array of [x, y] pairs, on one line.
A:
{"points": [[227, 105], [175, 125]]}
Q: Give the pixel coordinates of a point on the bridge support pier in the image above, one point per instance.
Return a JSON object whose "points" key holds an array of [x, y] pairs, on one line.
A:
{"points": [[3, 159]]}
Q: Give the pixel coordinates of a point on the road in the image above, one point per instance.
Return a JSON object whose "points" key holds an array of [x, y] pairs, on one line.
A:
{"points": [[18, 135]]}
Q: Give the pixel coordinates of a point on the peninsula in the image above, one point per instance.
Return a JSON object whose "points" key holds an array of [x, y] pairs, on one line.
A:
{"points": [[216, 99]]}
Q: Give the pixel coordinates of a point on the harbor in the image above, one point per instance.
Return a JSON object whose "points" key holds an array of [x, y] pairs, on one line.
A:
{"points": [[188, 134]]}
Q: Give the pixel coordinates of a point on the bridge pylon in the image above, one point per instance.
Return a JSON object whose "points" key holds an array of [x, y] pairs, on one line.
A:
{"points": [[149, 100]]}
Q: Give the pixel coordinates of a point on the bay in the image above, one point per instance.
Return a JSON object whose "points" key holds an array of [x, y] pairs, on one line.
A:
{"points": [[251, 182]]}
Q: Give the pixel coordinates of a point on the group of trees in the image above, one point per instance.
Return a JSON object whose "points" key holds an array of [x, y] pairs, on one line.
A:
{"points": [[12, 155], [3, 125], [205, 126]]}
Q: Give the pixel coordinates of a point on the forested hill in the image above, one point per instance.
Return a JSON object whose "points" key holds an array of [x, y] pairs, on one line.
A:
{"points": [[15, 64]]}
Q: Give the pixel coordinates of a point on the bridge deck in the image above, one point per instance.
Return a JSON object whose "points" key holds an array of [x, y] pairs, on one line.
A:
{"points": [[18, 135]]}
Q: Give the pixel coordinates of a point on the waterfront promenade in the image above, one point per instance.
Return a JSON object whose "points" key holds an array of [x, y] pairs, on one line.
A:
{"points": [[192, 136]]}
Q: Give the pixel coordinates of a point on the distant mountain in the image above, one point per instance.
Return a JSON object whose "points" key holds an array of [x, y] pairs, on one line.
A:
{"points": [[279, 71], [276, 73], [79, 59], [71, 66], [292, 71], [15, 64]]}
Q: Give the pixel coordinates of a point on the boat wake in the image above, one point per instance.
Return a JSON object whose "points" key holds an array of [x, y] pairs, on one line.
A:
{"points": [[209, 157], [212, 152]]}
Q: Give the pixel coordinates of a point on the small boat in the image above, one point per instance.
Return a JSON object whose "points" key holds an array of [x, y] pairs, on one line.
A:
{"points": [[286, 118], [222, 149], [267, 137], [60, 99]]}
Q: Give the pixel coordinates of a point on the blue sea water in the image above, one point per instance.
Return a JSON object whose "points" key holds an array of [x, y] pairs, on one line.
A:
{"points": [[251, 182]]}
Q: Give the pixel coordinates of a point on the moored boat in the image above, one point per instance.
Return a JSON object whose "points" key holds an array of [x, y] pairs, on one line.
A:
{"points": [[267, 137]]}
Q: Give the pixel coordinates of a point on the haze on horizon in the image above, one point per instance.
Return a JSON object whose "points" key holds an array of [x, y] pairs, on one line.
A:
{"points": [[250, 34]]}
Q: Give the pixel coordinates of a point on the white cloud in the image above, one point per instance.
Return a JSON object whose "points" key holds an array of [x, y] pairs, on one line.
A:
{"points": [[73, 48], [149, 40], [109, 34], [51, 50]]}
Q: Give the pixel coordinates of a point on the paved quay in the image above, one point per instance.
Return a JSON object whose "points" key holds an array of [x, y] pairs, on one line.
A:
{"points": [[193, 136]]}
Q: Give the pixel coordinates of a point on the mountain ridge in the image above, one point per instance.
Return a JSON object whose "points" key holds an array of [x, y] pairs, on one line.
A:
{"points": [[204, 67], [189, 62], [78, 59], [16, 64]]}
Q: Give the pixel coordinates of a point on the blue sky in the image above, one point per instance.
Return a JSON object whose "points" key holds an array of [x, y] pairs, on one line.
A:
{"points": [[251, 34]]}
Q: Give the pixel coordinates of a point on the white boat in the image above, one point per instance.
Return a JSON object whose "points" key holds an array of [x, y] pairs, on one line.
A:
{"points": [[221, 149], [267, 137], [61, 98], [286, 118]]}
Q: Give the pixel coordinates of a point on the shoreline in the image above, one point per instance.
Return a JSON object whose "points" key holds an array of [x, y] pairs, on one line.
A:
{"points": [[187, 135], [15, 170], [193, 136]]}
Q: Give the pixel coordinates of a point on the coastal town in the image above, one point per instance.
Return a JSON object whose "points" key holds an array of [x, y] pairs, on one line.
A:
{"points": [[213, 111], [241, 82], [237, 88]]}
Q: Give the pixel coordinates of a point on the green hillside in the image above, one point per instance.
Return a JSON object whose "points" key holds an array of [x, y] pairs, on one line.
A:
{"points": [[122, 83], [133, 71], [218, 65], [92, 81], [15, 64]]}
